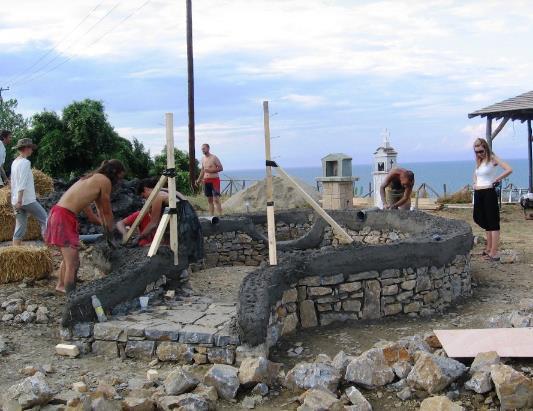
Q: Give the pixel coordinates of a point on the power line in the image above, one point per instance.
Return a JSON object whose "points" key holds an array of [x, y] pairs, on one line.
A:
{"points": [[61, 54], [41, 74], [51, 49]]}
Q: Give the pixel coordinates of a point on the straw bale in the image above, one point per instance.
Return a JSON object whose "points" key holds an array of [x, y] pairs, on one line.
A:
{"points": [[44, 185], [7, 225], [17, 263], [5, 196]]}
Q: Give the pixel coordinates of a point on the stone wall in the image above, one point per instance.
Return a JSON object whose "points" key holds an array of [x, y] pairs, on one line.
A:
{"points": [[402, 262], [237, 248], [322, 300]]}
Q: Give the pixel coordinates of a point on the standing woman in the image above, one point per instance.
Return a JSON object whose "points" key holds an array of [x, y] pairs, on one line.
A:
{"points": [[486, 211]]}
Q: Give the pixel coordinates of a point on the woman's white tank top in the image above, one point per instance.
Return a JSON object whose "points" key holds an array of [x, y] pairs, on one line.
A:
{"points": [[486, 174]]}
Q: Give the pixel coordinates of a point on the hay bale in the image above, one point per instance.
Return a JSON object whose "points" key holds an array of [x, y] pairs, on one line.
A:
{"points": [[7, 225], [44, 185], [5, 196], [17, 263]]}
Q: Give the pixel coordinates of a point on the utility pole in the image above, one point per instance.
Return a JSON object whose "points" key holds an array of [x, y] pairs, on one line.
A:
{"points": [[190, 76], [2, 89]]}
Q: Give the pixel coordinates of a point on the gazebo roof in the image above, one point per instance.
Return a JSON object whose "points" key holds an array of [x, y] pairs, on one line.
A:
{"points": [[515, 108]]}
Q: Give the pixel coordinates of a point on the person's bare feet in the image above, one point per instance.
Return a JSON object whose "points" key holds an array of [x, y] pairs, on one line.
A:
{"points": [[60, 289]]}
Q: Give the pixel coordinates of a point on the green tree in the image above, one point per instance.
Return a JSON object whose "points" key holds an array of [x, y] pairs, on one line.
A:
{"points": [[182, 168], [81, 139], [13, 121]]}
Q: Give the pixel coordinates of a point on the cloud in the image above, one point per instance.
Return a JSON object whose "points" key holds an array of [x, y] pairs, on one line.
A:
{"points": [[304, 100]]}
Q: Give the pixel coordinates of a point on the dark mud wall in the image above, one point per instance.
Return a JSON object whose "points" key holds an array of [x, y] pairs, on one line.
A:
{"points": [[132, 270]]}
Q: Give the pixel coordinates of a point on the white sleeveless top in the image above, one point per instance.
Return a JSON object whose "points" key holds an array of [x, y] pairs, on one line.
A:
{"points": [[486, 173]]}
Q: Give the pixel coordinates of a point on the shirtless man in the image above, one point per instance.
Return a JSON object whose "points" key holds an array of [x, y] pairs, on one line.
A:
{"points": [[62, 228], [400, 182], [150, 221], [211, 166]]}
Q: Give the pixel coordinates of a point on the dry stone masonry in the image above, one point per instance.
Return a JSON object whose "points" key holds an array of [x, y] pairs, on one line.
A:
{"points": [[322, 300]]}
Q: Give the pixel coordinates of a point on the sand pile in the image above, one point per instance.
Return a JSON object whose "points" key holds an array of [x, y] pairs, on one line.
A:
{"points": [[285, 197]]}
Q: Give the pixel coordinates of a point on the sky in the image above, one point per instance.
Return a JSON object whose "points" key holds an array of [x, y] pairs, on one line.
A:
{"points": [[336, 72]]}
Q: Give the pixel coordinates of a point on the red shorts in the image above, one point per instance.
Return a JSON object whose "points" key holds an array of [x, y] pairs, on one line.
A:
{"points": [[62, 229], [212, 187]]}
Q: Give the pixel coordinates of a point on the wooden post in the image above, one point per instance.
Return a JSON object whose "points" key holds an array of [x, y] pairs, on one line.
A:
{"points": [[190, 83], [530, 154], [170, 217], [444, 190], [146, 207], [488, 132], [271, 221], [344, 237]]}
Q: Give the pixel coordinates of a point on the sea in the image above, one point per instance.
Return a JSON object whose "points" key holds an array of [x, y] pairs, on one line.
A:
{"points": [[454, 174]]}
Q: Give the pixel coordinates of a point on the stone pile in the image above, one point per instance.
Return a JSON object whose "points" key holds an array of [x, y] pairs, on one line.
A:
{"points": [[183, 388], [415, 368], [18, 311], [523, 317]]}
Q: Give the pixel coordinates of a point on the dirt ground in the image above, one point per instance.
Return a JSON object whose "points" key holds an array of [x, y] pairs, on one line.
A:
{"points": [[497, 289]]}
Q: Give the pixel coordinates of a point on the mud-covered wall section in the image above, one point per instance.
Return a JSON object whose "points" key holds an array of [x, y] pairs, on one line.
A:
{"points": [[434, 258], [131, 270], [242, 240]]}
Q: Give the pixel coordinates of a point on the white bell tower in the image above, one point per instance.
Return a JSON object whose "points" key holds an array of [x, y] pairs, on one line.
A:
{"points": [[384, 160]]}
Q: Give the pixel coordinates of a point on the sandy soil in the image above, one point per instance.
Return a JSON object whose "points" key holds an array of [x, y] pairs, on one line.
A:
{"points": [[498, 288]]}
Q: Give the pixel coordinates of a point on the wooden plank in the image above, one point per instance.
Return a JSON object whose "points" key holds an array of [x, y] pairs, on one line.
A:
{"points": [[271, 220], [171, 163], [159, 234], [144, 210], [507, 342], [499, 128], [338, 230]]}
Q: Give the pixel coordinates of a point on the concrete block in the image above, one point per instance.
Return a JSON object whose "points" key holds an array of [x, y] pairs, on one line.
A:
{"points": [[67, 350]]}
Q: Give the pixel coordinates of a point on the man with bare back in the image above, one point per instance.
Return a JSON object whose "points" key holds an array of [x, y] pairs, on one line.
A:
{"points": [[399, 183], [62, 228], [211, 166]]}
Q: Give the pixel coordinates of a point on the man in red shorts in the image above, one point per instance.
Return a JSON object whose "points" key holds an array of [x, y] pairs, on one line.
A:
{"points": [[62, 229], [211, 166]]}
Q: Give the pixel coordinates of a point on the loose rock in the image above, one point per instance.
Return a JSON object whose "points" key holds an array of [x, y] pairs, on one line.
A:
{"points": [[370, 369], [433, 373], [305, 376], [225, 379], [258, 370], [513, 388], [440, 403], [30, 392], [180, 381], [319, 400], [358, 399]]}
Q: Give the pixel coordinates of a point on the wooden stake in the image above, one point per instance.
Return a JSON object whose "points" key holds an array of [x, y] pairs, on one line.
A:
{"points": [[145, 208], [159, 234], [171, 163], [271, 221], [341, 233], [169, 217]]}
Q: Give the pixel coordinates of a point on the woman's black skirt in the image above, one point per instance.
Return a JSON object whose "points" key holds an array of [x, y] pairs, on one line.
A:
{"points": [[486, 211]]}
